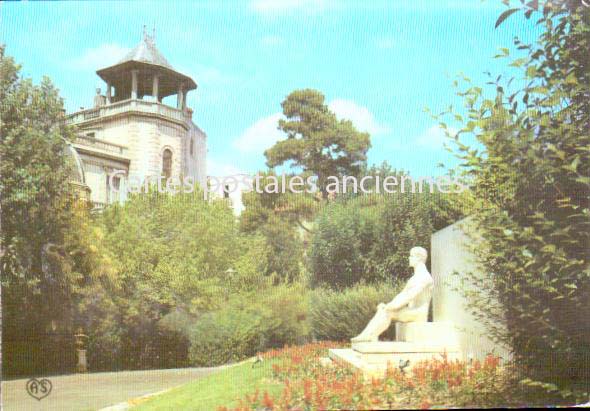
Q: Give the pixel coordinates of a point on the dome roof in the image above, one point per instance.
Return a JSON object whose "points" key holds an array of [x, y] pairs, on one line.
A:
{"points": [[146, 52], [74, 164], [147, 60]]}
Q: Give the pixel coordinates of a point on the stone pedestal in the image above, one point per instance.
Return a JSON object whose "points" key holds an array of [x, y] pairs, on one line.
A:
{"points": [[82, 364], [441, 333], [415, 342]]}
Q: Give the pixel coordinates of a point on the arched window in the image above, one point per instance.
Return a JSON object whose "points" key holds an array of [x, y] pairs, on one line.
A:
{"points": [[167, 163], [192, 146]]}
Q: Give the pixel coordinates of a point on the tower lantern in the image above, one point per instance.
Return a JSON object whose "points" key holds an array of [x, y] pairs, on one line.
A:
{"points": [[145, 72], [129, 138]]}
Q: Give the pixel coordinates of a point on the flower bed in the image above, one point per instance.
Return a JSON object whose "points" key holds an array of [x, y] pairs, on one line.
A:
{"points": [[310, 384]]}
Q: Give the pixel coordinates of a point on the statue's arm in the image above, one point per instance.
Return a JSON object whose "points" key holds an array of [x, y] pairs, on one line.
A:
{"points": [[407, 295]]}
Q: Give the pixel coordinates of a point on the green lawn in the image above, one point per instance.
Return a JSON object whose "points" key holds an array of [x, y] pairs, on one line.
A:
{"points": [[221, 388]]}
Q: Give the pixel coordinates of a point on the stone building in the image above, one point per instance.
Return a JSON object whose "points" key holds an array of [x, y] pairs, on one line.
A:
{"points": [[130, 135]]}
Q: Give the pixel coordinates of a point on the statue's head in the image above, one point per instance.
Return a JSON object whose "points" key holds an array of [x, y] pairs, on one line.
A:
{"points": [[418, 255]]}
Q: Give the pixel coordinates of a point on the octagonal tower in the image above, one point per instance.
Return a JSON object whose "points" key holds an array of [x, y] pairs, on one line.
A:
{"points": [[130, 130]]}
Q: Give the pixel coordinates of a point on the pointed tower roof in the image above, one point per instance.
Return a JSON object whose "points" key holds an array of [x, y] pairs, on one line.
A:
{"points": [[146, 52], [148, 60]]}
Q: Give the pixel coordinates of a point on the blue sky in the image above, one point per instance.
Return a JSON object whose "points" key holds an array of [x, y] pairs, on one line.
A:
{"points": [[378, 63]]}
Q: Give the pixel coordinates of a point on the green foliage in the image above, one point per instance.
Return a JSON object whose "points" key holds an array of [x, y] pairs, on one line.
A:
{"points": [[285, 246], [532, 185], [174, 255], [249, 325], [341, 315], [44, 265], [279, 217], [317, 142], [368, 238], [276, 201], [343, 235], [34, 195], [99, 318], [181, 249]]}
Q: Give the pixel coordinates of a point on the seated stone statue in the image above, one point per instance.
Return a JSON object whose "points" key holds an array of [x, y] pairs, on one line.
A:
{"points": [[411, 305]]}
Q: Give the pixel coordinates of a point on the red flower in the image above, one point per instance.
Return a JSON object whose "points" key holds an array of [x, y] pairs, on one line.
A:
{"points": [[267, 401], [491, 362], [296, 359], [307, 390], [476, 365]]}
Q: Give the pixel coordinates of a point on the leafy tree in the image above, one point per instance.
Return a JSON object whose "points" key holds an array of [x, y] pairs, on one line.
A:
{"points": [[40, 269], [286, 249], [317, 142], [175, 255], [282, 219], [532, 186], [293, 207], [367, 238]]}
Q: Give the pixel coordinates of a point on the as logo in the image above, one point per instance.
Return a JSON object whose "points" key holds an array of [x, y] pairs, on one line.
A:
{"points": [[39, 389]]}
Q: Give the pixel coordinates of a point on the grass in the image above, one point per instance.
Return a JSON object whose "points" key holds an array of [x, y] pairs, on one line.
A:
{"points": [[224, 387]]}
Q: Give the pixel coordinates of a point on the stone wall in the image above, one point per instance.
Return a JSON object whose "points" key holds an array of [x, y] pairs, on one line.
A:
{"points": [[196, 165], [450, 254], [143, 139]]}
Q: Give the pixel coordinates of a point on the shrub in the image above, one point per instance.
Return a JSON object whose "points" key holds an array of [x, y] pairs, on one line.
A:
{"points": [[285, 313], [532, 185], [341, 315], [225, 336], [337, 244], [368, 238], [99, 318], [274, 318]]}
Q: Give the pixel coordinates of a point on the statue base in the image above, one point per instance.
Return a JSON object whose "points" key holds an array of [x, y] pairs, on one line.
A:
{"points": [[82, 364], [415, 342]]}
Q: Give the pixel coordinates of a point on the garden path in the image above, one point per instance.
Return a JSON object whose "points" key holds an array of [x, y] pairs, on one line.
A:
{"points": [[94, 391]]}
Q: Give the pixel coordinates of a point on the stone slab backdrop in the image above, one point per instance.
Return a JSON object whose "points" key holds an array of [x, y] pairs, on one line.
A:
{"points": [[450, 254]]}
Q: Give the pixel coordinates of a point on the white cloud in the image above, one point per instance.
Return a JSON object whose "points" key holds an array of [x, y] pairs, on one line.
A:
{"points": [[261, 135], [434, 138], [360, 116], [221, 169], [270, 7], [264, 133], [102, 56]]}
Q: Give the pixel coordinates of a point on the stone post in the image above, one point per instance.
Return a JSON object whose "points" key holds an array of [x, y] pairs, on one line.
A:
{"points": [[155, 87], [81, 340], [109, 93], [134, 84], [179, 96]]}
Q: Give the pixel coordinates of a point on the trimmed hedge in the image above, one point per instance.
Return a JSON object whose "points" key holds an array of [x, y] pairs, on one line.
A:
{"points": [[249, 326], [341, 315]]}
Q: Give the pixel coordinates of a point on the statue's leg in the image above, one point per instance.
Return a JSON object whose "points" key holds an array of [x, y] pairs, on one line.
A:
{"points": [[378, 324]]}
